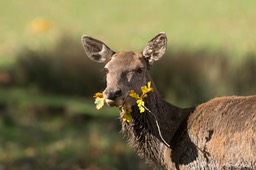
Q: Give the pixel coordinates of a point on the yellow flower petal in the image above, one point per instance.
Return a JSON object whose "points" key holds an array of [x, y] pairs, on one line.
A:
{"points": [[100, 95], [133, 94], [149, 84], [99, 102], [149, 87], [144, 89], [143, 95], [127, 117], [142, 109], [141, 104]]}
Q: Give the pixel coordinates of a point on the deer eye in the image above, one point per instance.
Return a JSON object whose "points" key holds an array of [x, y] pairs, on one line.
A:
{"points": [[139, 70], [106, 70]]}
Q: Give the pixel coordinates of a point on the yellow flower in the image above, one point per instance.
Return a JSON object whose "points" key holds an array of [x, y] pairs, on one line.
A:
{"points": [[99, 100], [139, 98], [126, 109], [146, 89], [133, 94], [40, 25], [127, 117], [141, 104], [126, 113], [98, 94]]}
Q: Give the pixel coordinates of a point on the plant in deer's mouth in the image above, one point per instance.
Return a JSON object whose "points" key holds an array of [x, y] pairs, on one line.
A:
{"points": [[139, 98], [126, 108], [99, 100]]}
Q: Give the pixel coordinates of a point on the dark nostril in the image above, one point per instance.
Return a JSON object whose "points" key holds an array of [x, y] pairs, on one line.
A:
{"points": [[113, 94], [117, 93]]}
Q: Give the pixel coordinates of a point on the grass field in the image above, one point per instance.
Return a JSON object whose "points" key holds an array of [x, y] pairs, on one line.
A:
{"points": [[228, 25], [60, 132]]}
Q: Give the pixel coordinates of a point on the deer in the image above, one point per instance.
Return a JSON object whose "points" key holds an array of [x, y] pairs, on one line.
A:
{"points": [[217, 134]]}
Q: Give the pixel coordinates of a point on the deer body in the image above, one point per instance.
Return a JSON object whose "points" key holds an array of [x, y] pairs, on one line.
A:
{"points": [[218, 134]]}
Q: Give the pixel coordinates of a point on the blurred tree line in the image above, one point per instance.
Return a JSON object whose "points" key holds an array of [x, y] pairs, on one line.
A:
{"points": [[184, 77]]}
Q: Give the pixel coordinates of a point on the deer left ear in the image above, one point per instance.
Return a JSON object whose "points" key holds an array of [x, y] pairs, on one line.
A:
{"points": [[155, 48]]}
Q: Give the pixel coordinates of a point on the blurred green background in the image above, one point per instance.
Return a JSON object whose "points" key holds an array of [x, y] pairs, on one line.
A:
{"points": [[47, 116]]}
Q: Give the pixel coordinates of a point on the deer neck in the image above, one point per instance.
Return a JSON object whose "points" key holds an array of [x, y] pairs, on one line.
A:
{"points": [[144, 133], [167, 116]]}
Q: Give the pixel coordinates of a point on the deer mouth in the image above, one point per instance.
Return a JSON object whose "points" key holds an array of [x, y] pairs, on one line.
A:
{"points": [[115, 103]]}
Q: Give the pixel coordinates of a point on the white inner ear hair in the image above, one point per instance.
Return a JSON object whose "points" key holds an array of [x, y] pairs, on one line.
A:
{"points": [[103, 51]]}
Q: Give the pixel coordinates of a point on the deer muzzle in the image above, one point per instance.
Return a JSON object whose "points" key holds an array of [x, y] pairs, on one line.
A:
{"points": [[113, 97]]}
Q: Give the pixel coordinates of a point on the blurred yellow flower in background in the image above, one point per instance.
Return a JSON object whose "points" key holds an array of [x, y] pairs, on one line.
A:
{"points": [[39, 25]]}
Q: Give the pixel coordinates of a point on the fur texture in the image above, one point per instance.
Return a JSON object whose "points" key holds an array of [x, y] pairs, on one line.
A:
{"points": [[218, 134]]}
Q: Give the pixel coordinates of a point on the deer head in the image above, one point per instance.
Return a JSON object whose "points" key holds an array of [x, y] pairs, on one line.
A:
{"points": [[125, 70]]}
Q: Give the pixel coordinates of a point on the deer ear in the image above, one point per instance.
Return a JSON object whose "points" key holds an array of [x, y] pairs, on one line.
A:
{"points": [[96, 50], [155, 48]]}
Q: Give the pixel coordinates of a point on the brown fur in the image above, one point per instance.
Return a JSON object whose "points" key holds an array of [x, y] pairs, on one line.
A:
{"points": [[218, 134]]}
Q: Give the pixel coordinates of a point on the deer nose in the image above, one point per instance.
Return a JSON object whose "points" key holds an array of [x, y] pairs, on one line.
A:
{"points": [[112, 94]]}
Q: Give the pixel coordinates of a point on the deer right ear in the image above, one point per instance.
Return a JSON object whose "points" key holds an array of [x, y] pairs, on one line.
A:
{"points": [[96, 50]]}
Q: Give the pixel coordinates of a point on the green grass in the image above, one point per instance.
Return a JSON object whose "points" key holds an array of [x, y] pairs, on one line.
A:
{"points": [[34, 137], [64, 143], [228, 25]]}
